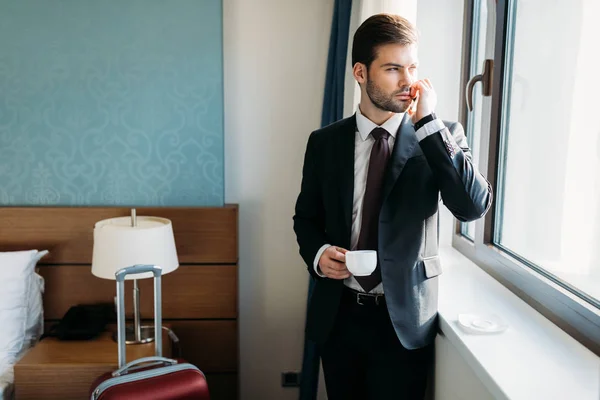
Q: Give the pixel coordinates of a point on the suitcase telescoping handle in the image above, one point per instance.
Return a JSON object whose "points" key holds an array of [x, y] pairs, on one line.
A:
{"points": [[120, 276], [143, 363]]}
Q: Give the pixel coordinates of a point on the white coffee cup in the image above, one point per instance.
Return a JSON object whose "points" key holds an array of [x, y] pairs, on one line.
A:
{"points": [[361, 262]]}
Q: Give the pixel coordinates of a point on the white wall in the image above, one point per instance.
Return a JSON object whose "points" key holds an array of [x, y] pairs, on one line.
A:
{"points": [[275, 56], [440, 23], [455, 380]]}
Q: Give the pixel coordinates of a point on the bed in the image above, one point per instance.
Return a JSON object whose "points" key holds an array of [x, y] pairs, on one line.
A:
{"points": [[21, 310], [199, 299]]}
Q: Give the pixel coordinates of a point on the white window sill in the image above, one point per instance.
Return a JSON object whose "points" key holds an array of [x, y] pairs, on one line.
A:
{"points": [[532, 359]]}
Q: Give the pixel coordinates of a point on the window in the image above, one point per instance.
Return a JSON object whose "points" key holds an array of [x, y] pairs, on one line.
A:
{"points": [[549, 196], [537, 139]]}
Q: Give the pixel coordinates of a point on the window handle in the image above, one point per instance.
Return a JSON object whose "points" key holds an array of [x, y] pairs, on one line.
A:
{"points": [[485, 79]]}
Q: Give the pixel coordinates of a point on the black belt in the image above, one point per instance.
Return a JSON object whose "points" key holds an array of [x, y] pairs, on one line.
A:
{"points": [[362, 298]]}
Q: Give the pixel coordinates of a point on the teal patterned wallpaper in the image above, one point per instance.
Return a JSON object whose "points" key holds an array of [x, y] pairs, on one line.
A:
{"points": [[111, 102]]}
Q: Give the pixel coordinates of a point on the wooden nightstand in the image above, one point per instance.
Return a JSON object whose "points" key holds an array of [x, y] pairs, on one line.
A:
{"points": [[65, 370]]}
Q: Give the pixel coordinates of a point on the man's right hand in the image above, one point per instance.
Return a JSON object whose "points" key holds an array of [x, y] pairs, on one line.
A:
{"points": [[333, 263]]}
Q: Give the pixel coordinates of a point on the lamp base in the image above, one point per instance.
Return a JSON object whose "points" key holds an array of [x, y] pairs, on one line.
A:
{"points": [[146, 335]]}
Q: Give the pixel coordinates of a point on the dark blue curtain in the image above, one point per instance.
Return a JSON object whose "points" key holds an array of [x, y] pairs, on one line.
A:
{"points": [[333, 99], [333, 110]]}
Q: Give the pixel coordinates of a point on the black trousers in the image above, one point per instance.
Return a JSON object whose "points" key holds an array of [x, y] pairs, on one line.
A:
{"points": [[364, 359]]}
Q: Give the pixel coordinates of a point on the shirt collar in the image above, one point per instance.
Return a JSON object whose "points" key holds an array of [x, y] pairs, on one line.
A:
{"points": [[365, 125]]}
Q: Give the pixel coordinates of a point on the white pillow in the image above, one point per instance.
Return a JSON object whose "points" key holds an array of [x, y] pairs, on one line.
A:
{"points": [[7, 378], [20, 294], [34, 326]]}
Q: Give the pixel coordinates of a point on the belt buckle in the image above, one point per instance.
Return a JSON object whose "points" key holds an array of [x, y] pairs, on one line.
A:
{"points": [[358, 298]]}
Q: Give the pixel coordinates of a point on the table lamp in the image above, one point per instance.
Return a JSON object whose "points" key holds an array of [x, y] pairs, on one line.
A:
{"points": [[127, 241]]}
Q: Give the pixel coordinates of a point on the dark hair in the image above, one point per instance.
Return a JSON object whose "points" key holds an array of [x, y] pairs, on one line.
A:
{"points": [[378, 30]]}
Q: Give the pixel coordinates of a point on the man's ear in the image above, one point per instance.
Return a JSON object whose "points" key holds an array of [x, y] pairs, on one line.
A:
{"points": [[360, 72]]}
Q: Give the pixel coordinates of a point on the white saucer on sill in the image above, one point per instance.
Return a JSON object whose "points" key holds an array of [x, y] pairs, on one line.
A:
{"points": [[481, 324]]}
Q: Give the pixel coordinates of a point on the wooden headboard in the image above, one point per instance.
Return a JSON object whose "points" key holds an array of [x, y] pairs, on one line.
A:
{"points": [[199, 298]]}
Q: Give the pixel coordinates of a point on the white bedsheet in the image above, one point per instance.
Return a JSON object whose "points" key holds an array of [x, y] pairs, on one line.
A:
{"points": [[6, 381]]}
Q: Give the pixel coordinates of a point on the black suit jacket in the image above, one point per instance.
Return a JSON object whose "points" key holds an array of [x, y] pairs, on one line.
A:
{"points": [[418, 172]]}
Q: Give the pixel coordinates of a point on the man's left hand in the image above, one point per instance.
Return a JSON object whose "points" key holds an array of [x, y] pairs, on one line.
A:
{"points": [[425, 98]]}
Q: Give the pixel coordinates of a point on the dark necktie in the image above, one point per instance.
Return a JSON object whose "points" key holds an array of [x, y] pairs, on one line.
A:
{"points": [[367, 239]]}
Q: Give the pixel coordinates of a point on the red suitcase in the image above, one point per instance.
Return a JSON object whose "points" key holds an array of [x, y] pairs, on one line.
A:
{"points": [[149, 378]]}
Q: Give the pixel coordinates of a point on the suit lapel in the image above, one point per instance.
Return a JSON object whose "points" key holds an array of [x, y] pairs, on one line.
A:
{"points": [[346, 137], [404, 146]]}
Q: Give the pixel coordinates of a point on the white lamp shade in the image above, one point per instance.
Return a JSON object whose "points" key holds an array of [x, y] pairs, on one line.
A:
{"points": [[117, 245]]}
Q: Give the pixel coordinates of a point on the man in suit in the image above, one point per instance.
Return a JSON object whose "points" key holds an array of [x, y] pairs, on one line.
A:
{"points": [[373, 181]]}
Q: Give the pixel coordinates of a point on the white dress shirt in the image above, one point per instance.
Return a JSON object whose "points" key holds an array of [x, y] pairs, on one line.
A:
{"points": [[363, 143]]}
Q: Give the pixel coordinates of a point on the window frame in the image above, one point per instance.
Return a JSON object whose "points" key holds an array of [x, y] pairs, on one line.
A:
{"points": [[570, 312]]}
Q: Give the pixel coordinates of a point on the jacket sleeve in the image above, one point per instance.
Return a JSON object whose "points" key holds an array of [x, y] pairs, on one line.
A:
{"points": [[309, 216], [464, 190]]}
